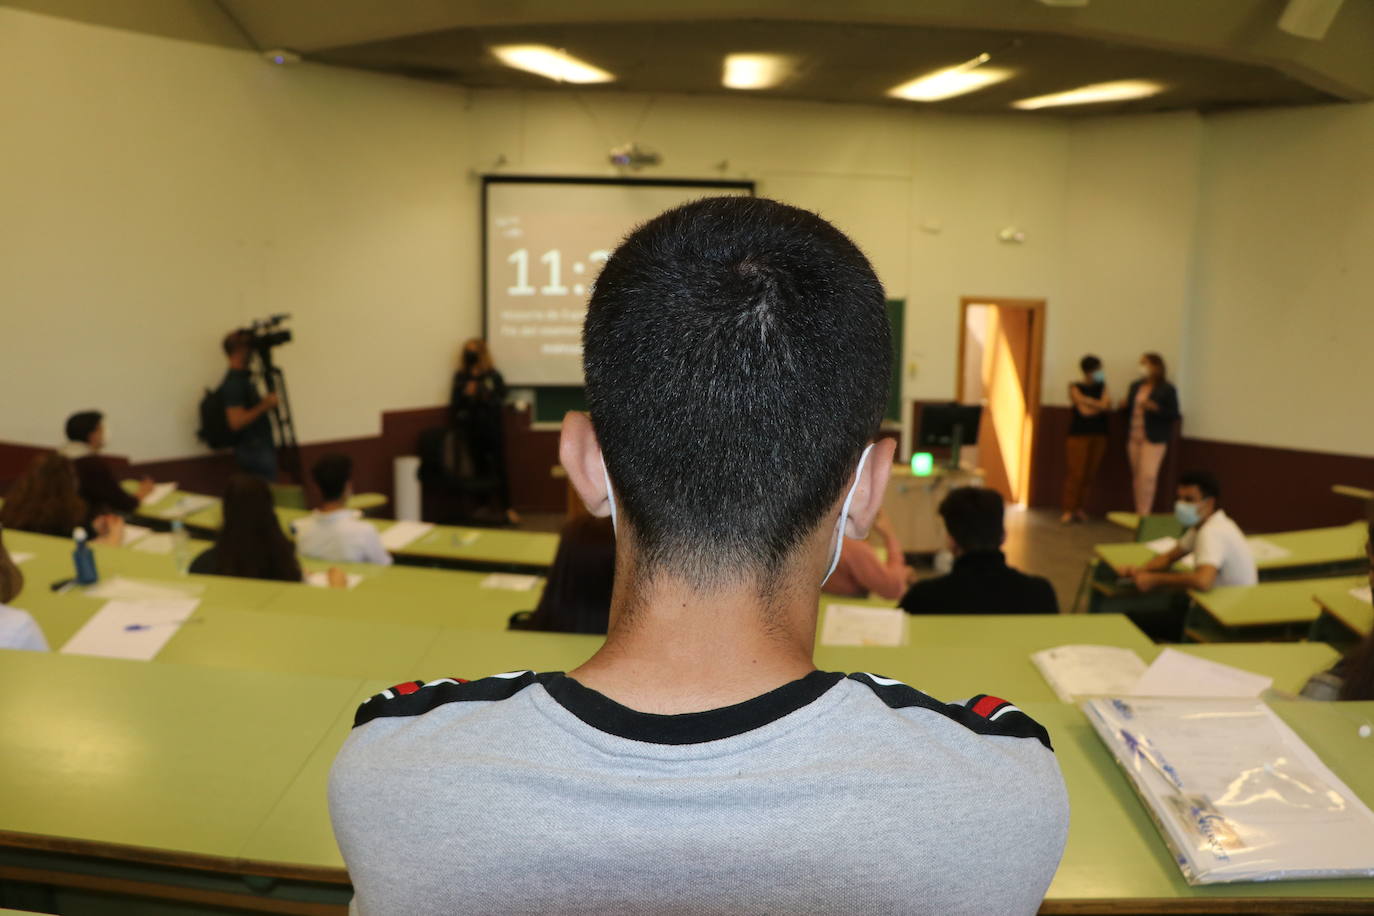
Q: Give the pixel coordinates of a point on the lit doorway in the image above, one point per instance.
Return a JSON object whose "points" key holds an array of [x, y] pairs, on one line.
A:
{"points": [[1001, 351]]}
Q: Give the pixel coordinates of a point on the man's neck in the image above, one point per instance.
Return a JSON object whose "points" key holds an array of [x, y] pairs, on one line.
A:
{"points": [[333, 505], [674, 649]]}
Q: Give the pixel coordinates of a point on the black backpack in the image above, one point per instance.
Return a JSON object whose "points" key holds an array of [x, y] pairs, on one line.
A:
{"points": [[214, 420]]}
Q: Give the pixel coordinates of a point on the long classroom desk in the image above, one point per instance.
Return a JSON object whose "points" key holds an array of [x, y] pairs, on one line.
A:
{"points": [[1254, 613], [1344, 619]]}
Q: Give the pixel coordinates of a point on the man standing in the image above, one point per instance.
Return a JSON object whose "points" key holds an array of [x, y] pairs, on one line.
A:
{"points": [[96, 483], [736, 353], [246, 411]]}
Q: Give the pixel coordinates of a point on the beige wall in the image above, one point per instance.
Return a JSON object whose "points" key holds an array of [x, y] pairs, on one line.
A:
{"points": [[159, 192]]}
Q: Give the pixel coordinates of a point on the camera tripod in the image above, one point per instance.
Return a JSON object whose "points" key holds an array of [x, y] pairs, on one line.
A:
{"points": [[283, 424]]}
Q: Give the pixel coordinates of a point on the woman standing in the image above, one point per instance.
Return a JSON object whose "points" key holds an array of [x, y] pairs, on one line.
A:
{"points": [[1153, 405], [1087, 441], [475, 408]]}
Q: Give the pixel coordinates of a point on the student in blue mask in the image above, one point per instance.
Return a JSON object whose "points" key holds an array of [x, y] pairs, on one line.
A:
{"points": [[1218, 547], [1087, 441]]}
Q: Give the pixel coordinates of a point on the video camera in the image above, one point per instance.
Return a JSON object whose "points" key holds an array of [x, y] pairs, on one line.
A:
{"points": [[268, 333]]}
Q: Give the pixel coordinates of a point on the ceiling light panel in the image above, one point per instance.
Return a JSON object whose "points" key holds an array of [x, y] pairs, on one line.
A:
{"points": [[756, 71], [964, 78], [551, 63], [1118, 91]]}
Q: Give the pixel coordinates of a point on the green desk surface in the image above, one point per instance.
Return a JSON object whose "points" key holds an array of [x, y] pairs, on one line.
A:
{"points": [[1269, 602], [1115, 860], [1356, 614], [1025, 632], [163, 757], [1315, 547], [170, 506], [1128, 520]]}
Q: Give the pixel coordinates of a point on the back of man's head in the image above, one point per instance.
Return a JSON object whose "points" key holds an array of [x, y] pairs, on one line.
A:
{"points": [[236, 342], [975, 518], [737, 356], [331, 475], [81, 425]]}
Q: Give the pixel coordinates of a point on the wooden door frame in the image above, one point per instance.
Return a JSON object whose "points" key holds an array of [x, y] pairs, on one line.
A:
{"points": [[1038, 309]]}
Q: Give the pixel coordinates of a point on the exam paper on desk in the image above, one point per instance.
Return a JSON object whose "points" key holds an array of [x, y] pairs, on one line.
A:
{"points": [[510, 582], [1363, 593], [19, 556], [134, 630], [158, 493], [320, 579], [1178, 674], [402, 534], [858, 625], [1081, 671]]}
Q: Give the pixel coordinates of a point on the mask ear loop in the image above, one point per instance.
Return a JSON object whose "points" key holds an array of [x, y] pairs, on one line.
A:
{"points": [[610, 493], [844, 515]]}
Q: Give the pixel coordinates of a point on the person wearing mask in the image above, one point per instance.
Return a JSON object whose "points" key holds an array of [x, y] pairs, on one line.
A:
{"points": [[1087, 441], [46, 500], [1352, 678], [18, 629], [96, 482], [476, 411], [737, 358], [1221, 555], [246, 410], [1152, 404], [577, 595], [862, 572], [981, 582], [251, 543], [334, 532]]}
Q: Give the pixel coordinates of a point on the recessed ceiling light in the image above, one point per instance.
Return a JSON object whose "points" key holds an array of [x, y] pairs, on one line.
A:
{"points": [[969, 76], [1118, 91], [756, 71], [552, 63]]}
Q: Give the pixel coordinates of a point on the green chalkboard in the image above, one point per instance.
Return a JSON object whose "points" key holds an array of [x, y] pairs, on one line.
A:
{"points": [[550, 403]]}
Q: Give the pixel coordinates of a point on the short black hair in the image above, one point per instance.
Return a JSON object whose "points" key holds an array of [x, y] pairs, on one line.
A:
{"points": [[737, 356], [1090, 363], [83, 424], [975, 518], [331, 474], [1205, 481], [236, 341]]}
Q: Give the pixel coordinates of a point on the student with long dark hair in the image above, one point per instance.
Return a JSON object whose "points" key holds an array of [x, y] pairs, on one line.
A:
{"points": [[577, 596], [251, 543], [1152, 404], [46, 500]]}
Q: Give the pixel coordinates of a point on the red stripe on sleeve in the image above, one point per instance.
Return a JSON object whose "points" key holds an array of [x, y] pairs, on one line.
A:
{"points": [[986, 705], [407, 687]]}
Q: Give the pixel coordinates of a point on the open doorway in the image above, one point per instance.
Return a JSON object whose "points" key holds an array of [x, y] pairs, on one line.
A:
{"points": [[1001, 351]]}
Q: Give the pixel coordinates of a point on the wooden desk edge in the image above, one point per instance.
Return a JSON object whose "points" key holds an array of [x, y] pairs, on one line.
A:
{"points": [[148, 855]]}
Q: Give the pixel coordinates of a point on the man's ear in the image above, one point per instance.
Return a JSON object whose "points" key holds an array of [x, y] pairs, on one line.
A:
{"points": [[580, 454], [868, 496]]}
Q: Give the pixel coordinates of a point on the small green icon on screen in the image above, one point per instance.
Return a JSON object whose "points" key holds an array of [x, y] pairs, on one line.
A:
{"points": [[922, 463]]}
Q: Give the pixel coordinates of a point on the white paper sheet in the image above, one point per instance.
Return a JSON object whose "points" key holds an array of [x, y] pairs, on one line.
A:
{"points": [[1363, 593], [1267, 551], [1081, 671], [19, 556], [158, 493], [130, 629], [1161, 546], [510, 582], [857, 625], [401, 534], [133, 534], [157, 542], [320, 579], [1178, 674], [185, 505], [117, 588]]}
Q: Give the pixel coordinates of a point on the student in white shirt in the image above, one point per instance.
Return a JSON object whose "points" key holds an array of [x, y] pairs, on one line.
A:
{"points": [[335, 533], [1221, 555], [18, 629]]}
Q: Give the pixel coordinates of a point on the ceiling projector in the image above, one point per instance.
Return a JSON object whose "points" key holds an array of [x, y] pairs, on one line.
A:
{"points": [[634, 156]]}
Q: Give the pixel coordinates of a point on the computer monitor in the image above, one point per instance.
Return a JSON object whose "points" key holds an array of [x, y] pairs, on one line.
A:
{"points": [[949, 426]]}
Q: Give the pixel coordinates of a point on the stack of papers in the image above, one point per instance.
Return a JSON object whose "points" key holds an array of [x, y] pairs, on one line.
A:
{"points": [[402, 534], [510, 582], [1084, 671], [857, 625], [130, 629], [158, 493], [1236, 795]]}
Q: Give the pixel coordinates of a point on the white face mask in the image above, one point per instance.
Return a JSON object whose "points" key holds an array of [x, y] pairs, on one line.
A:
{"points": [[844, 515], [610, 493]]}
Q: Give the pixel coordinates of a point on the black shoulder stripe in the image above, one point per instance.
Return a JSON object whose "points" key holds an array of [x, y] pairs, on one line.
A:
{"points": [[982, 714], [415, 698]]}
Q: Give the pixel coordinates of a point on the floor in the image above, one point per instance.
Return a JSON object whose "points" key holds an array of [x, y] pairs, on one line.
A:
{"points": [[1036, 543]]}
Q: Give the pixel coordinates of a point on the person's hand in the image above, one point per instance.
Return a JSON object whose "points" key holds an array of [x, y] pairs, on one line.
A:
{"points": [[109, 529], [337, 577], [1146, 581], [911, 577], [269, 400], [145, 486]]}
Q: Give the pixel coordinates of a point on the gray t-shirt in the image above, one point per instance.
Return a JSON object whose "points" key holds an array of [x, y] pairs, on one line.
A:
{"points": [[530, 793]]}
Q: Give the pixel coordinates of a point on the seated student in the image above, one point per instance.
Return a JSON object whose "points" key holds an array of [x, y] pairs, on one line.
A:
{"points": [[251, 544], [577, 595], [861, 572], [736, 353], [1352, 678], [45, 500], [18, 629], [95, 481], [981, 582], [335, 532], [1220, 553]]}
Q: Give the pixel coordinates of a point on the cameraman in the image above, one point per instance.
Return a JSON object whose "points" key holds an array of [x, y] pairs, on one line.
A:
{"points": [[246, 411]]}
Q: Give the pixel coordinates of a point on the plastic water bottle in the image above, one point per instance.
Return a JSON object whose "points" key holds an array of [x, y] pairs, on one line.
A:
{"points": [[84, 559], [181, 547]]}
